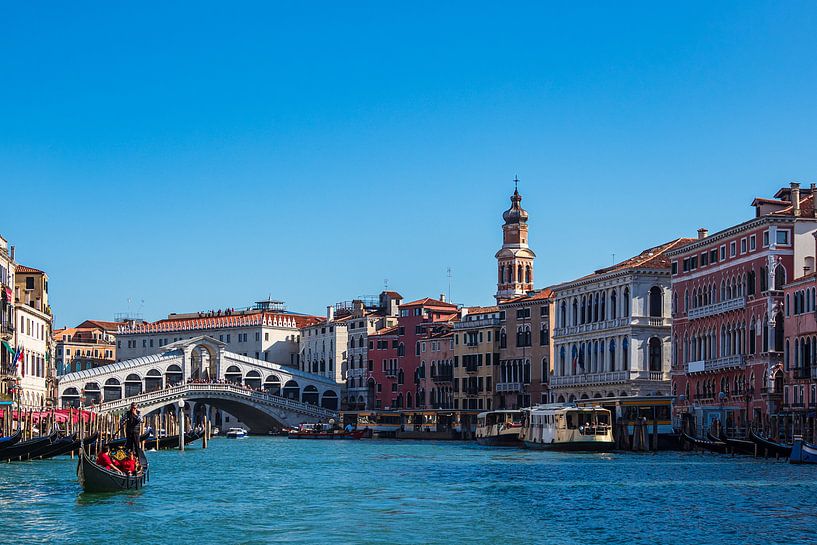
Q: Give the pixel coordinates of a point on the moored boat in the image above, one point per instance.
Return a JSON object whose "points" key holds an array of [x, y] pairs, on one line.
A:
{"points": [[704, 444], [66, 448], [568, 427], [311, 431], [236, 433], [10, 440], [803, 452], [21, 450], [740, 446], [95, 478], [500, 428], [766, 446], [55, 444]]}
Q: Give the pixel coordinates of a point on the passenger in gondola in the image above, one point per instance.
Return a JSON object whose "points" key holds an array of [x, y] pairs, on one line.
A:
{"points": [[129, 465], [104, 459], [131, 422]]}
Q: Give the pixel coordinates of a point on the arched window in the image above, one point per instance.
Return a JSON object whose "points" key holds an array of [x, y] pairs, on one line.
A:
{"points": [[613, 308], [562, 358], [778, 332], [575, 311], [655, 302], [655, 354], [779, 277], [612, 354], [625, 354], [626, 303], [519, 273], [563, 314], [527, 275], [583, 311]]}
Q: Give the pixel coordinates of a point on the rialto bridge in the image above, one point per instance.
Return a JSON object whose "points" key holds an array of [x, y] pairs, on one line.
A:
{"points": [[261, 394]]}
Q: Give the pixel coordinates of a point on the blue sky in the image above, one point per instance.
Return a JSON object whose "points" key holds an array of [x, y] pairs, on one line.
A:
{"points": [[206, 155]]}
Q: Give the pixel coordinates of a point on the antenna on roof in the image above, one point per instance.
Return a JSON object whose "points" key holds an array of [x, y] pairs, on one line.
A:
{"points": [[386, 284], [614, 258], [449, 282]]}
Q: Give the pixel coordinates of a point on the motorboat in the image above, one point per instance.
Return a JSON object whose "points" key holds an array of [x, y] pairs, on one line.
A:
{"points": [[500, 428], [568, 427], [236, 433]]}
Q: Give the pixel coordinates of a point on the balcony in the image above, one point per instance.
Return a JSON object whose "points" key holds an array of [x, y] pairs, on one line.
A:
{"points": [[471, 324], [508, 386], [443, 377], [471, 368], [471, 391], [717, 308], [354, 373], [802, 372], [613, 377], [651, 321], [728, 362], [593, 326]]}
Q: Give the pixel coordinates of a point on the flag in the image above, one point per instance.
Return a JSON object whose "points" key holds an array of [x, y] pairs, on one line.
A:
{"points": [[8, 348], [18, 357]]}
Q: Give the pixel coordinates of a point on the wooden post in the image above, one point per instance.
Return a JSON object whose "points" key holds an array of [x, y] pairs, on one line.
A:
{"points": [[204, 437], [655, 435]]}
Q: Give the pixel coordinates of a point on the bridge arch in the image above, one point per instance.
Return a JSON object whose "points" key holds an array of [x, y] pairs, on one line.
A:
{"points": [[133, 385], [233, 374], [329, 400], [203, 361], [93, 395], [272, 384], [174, 375], [70, 397], [154, 380], [112, 390], [253, 380], [310, 395], [292, 390]]}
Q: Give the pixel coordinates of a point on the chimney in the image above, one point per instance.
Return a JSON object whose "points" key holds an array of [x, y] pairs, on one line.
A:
{"points": [[702, 233], [795, 198], [442, 297], [12, 253], [814, 200], [330, 313]]}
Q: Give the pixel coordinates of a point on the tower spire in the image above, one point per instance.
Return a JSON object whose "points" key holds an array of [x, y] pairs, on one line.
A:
{"points": [[515, 258]]}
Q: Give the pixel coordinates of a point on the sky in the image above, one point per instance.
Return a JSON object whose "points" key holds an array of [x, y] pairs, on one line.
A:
{"points": [[200, 155]]}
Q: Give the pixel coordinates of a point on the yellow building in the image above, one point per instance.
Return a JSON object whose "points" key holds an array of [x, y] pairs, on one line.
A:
{"points": [[33, 335], [476, 358], [91, 344]]}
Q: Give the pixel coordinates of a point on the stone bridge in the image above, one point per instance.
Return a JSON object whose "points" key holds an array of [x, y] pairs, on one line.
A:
{"points": [[262, 394]]}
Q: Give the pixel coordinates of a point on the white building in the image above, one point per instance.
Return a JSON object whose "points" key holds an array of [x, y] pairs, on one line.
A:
{"points": [[323, 348], [266, 332], [367, 317], [33, 335], [612, 334]]}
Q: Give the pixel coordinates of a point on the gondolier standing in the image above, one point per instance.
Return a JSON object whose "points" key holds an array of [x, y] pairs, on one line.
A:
{"points": [[131, 422]]}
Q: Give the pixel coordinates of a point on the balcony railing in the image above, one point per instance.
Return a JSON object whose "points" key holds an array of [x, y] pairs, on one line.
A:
{"points": [[508, 386], [611, 377], [728, 362], [717, 308], [651, 321], [593, 326], [443, 377]]}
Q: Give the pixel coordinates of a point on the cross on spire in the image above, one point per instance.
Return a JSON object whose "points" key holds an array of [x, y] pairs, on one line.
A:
{"points": [[515, 182]]}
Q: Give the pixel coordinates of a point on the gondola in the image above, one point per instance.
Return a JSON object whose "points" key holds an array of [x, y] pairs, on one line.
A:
{"points": [[712, 446], [763, 444], [10, 440], [95, 478], [56, 441], [22, 449], [326, 435], [67, 448], [739, 445], [172, 441]]}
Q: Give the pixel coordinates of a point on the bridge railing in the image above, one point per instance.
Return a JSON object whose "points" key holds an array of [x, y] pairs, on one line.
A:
{"points": [[173, 391]]}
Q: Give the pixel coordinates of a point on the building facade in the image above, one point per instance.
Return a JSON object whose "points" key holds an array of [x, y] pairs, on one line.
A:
{"points": [[8, 375], [90, 344], [324, 346], [434, 376], [265, 331], [798, 379], [476, 358], [728, 311], [613, 329], [525, 351], [33, 336], [382, 379]]}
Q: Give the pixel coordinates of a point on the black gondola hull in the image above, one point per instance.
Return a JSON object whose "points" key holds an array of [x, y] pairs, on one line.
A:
{"points": [[10, 440], [95, 478]]}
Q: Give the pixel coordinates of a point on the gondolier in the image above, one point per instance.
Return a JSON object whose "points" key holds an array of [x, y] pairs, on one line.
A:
{"points": [[131, 422]]}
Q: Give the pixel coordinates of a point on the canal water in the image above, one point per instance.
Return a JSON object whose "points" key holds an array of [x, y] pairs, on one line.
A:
{"points": [[274, 490]]}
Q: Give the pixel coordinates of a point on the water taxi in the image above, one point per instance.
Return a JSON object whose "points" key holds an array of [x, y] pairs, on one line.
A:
{"points": [[499, 428], [568, 427], [236, 433]]}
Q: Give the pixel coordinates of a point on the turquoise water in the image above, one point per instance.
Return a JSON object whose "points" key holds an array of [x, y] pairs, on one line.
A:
{"points": [[271, 490]]}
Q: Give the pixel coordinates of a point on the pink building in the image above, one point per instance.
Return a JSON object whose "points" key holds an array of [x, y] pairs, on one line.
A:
{"points": [[728, 315]]}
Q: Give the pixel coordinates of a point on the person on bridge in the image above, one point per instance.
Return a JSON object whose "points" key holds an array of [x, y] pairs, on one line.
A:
{"points": [[131, 421]]}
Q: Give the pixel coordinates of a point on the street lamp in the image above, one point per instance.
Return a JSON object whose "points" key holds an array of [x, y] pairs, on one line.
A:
{"points": [[181, 424]]}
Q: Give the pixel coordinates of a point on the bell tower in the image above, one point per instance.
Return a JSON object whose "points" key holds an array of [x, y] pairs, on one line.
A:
{"points": [[515, 258]]}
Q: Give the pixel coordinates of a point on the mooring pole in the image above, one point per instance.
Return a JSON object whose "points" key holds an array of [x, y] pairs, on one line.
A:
{"points": [[181, 424]]}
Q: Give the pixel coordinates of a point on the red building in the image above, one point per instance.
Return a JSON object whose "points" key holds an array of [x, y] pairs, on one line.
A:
{"points": [[727, 307], [383, 363], [798, 379]]}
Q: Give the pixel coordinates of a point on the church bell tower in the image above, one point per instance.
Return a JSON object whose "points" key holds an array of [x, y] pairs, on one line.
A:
{"points": [[515, 258]]}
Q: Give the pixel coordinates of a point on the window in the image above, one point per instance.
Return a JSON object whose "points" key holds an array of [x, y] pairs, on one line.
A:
{"points": [[674, 267], [765, 238], [704, 259], [29, 283], [783, 237], [713, 256], [743, 245], [752, 243], [723, 252], [732, 249]]}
